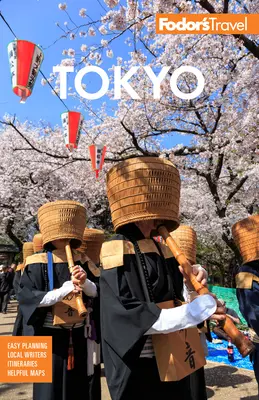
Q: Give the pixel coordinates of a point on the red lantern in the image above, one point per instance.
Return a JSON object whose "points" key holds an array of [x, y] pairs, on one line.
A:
{"points": [[72, 122], [25, 59], [97, 154]]}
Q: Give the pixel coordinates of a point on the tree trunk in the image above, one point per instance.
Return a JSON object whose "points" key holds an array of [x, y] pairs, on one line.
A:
{"points": [[12, 236]]}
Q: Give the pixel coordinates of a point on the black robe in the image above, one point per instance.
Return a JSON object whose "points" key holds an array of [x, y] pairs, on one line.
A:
{"points": [[247, 284], [66, 385], [18, 325], [94, 381], [126, 316]]}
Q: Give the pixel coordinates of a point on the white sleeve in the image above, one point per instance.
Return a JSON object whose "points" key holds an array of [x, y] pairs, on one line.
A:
{"points": [[54, 296], [89, 288], [186, 316]]}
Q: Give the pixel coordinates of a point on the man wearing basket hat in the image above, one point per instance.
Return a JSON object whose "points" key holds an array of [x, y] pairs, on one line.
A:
{"points": [[52, 295], [246, 237], [139, 273]]}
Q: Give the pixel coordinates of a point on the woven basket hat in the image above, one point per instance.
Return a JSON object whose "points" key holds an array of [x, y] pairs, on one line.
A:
{"points": [[144, 189], [64, 219], [185, 237], [92, 243], [27, 250], [246, 237], [38, 243]]}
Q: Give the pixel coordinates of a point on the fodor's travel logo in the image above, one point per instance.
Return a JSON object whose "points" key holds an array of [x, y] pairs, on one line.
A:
{"points": [[223, 24]]}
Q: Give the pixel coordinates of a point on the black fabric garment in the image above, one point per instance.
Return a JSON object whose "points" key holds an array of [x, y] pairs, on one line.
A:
{"points": [[18, 325], [249, 306], [6, 281], [144, 383], [33, 288], [94, 382], [16, 281], [254, 358], [66, 385], [4, 299], [126, 316], [198, 385], [249, 298]]}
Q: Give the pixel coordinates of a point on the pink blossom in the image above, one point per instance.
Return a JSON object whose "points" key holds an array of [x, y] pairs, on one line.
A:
{"points": [[103, 30], [104, 43], [82, 12], [62, 6], [91, 31], [109, 53], [111, 3], [71, 52], [83, 48]]}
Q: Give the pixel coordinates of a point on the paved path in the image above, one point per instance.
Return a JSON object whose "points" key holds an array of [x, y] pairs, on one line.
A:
{"points": [[223, 382]]}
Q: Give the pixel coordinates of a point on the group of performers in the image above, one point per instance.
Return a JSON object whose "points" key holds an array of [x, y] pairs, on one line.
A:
{"points": [[139, 297]]}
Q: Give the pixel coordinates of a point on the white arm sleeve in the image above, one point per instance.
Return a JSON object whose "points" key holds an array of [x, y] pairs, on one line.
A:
{"points": [[186, 316], [54, 296], [89, 288]]}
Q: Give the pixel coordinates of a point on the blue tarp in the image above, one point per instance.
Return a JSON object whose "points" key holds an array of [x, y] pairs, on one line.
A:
{"points": [[218, 353], [229, 295]]}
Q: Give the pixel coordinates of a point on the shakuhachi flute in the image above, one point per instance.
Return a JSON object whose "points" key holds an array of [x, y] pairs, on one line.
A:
{"points": [[82, 311], [244, 345]]}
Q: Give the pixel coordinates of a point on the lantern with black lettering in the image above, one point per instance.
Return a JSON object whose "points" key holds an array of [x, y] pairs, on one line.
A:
{"points": [[25, 59], [97, 154], [72, 122]]}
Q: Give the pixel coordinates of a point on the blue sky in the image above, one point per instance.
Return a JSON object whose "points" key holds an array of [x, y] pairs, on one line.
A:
{"points": [[35, 20]]}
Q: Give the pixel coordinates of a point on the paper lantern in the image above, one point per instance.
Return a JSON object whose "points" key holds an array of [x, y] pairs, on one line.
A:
{"points": [[97, 154], [72, 123], [25, 59]]}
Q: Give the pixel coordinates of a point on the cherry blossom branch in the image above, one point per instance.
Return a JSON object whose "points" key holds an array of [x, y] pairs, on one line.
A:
{"points": [[248, 43], [33, 148], [135, 142], [236, 189]]}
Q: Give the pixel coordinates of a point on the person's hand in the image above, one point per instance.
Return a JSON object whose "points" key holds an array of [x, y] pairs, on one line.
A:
{"points": [[77, 289], [78, 275], [199, 272], [220, 313]]}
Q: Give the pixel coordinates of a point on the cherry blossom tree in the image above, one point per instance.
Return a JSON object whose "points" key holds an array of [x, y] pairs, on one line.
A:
{"points": [[218, 161]]}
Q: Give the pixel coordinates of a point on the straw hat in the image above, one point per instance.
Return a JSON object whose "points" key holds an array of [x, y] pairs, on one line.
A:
{"points": [[64, 219], [27, 250], [144, 188], [92, 243], [246, 237], [185, 237], [38, 243]]}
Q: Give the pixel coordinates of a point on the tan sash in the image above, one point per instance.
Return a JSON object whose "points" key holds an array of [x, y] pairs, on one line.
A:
{"points": [[65, 311], [178, 354]]}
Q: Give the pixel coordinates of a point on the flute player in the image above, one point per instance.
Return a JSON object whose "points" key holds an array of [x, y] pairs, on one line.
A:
{"points": [[137, 274], [48, 299]]}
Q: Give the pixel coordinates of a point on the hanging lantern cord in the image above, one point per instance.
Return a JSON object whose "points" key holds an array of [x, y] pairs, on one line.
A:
{"points": [[53, 89], [3, 18]]}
